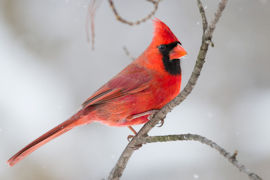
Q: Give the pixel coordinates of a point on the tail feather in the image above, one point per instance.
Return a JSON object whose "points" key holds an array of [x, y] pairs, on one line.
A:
{"points": [[67, 125]]}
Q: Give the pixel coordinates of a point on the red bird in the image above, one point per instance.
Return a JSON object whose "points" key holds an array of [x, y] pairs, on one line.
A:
{"points": [[145, 85]]}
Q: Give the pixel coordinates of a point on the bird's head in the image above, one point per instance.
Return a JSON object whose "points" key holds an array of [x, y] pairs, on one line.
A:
{"points": [[165, 41], [165, 50]]}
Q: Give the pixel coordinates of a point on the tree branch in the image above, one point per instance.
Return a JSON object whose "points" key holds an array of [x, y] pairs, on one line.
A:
{"points": [[121, 19], [117, 171], [202, 12], [194, 137]]}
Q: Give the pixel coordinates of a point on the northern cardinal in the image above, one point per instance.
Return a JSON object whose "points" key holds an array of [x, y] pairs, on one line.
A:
{"points": [[129, 98]]}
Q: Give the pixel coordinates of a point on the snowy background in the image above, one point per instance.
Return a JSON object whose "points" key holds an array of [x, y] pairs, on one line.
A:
{"points": [[47, 69]]}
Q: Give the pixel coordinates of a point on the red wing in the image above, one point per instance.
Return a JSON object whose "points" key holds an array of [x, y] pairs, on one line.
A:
{"points": [[131, 80], [101, 96]]}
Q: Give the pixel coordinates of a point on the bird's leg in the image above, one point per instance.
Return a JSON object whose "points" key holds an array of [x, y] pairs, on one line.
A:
{"points": [[135, 116], [131, 136], [131, 117]]}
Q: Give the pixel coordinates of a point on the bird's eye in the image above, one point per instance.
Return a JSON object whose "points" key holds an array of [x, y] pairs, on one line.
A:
{"points": [[162, 47]]}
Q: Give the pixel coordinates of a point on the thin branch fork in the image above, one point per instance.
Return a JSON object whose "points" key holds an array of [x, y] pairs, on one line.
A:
{"points": [[142, 136]]}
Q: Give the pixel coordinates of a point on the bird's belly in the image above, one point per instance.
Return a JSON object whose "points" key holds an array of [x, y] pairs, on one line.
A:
{"points": [[115, 112]]}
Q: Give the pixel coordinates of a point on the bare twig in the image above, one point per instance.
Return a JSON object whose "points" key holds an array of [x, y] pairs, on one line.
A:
{"points": [[202, 12], [194, 137], [121, 19], [128, 53], [91, 12], [218, 13], [117, 171]]}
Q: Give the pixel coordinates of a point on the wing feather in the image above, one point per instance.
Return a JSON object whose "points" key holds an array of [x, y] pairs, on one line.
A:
{"points": [[132, 79]]}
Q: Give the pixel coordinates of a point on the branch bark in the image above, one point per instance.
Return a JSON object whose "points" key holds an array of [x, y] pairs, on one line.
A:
{"points": [[194, 137], [142, 136], [202, 12]]}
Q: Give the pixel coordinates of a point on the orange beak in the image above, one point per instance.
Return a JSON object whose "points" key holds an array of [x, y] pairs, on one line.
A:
{"points": [[177, 52]]}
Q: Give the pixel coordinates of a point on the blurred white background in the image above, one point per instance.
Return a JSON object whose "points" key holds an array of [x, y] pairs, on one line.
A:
{"points": [[47, 69]]}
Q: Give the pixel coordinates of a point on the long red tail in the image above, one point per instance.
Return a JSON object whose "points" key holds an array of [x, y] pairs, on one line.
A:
{"points": [[75, 120]]}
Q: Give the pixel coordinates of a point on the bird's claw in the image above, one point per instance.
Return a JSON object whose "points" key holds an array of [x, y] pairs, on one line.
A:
{"points": [[160, 123], [135, 147], [130, 137]]}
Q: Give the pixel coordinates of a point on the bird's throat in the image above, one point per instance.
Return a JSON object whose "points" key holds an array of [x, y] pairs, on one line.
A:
{"points": [[171, 66]]}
